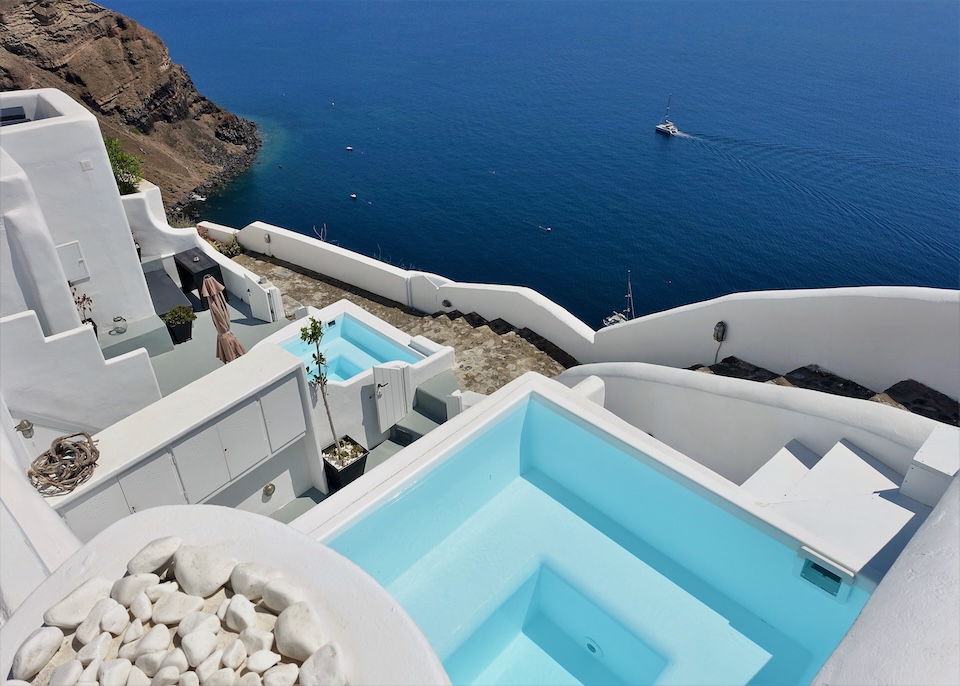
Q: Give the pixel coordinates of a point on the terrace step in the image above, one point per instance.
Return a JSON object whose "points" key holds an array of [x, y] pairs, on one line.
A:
{"points": [[816, 378], [925, 401], [780, 473], [845, 470], [430, 398], [413, 426], [739, 369]]}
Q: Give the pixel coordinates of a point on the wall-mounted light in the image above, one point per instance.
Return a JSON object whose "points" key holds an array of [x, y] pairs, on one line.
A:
{"points": [[269, 490], [445, 303], [25, 427]]}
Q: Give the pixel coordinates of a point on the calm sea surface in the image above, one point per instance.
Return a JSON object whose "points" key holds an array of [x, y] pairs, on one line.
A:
{"points": [[821, 140]]}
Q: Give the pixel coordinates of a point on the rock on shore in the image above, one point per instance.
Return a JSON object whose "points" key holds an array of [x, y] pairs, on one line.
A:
{"points": [[123, 73]]}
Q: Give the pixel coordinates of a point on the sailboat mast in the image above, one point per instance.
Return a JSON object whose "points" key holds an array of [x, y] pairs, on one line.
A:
{"points": [[667, 115], [630, 310]]}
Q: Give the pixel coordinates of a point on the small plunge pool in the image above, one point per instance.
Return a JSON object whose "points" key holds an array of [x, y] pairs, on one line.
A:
{"points": [[545, 551], [350, 348]]}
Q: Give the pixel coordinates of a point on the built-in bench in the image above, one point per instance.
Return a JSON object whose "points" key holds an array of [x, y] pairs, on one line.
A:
{"points": [[164, 293]]}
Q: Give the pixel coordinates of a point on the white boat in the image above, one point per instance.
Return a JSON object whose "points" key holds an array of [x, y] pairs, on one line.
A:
{"points": [[196, 197], [627, 313], [666, 126]]}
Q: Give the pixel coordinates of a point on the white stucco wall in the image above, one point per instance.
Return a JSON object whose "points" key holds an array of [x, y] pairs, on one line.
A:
{"points": [[31, 275], [909, 631], [875, 336], [66, 162], [64, 377], [734, 426]]}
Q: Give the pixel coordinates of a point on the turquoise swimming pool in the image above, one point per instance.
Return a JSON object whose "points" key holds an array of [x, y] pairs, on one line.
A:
{"points": [[544, 551], [351, 347]]}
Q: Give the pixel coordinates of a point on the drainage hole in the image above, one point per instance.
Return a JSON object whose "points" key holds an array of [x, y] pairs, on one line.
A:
{"points": [[592, 646]]}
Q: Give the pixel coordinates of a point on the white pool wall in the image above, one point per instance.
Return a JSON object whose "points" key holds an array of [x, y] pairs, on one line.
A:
{"points": [[352, 402]]}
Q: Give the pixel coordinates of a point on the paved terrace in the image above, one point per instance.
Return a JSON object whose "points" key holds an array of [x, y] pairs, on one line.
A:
{"points": [[489, 354]]}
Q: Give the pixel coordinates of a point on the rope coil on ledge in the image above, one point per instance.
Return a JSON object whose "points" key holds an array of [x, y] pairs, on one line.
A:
{"points": [[68, 463]]}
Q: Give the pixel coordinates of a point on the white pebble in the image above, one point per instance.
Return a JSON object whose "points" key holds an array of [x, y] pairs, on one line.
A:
{"points": [[176, 658], [72, 610], [166, 676], [198, 621], [250, 679], [298, 631], [201, 571], [281, 675], [209, 666], [154, 555], [66, 674], [128, 651], [189, 679], [158, 638], [279, 594], [173, 607], [222, 608], [256, 639], [133, 632], [198, 646], [115, 620], [36, 651], [89, 628], [129, 587], [262, 660], [16, 682], [149, 663], [112, 673], [234, 654], [323, 668], [90, 672], [154, 592], [248, 578], [142, 608], [137, 677], [241, 613], [223, 677], [95, 649]]}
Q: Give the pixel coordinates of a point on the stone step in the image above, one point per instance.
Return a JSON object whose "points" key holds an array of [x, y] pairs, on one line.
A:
{"points": [[816, 378], [430, 398], [925, 401], [736, 368], [780, 473], [845, 470], [381, 454], [413, 426]]}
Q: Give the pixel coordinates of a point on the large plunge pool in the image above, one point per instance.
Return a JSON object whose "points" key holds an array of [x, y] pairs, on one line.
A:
{"points": [[350, 347], [545, 551]]}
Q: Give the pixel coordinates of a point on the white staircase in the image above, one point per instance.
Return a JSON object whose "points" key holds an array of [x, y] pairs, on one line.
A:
{"points": [[847, 498]]}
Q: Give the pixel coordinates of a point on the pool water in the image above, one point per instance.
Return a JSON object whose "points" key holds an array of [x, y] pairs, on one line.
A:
{"points": [[350, 348], [544, 551]]}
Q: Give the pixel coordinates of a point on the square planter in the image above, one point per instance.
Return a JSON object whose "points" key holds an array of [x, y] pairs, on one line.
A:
{"points": [[337, 478], [180, 333]]}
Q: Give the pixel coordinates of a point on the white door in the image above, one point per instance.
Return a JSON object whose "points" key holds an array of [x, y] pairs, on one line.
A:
{"points": [[389, 389]]}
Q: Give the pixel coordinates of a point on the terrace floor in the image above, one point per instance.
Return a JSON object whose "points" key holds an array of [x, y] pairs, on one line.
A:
{"points": [[488, 354]]}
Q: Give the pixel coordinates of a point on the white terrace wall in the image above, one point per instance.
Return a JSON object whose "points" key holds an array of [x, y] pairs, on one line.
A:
{"points": [[64, 377], [875, 336], [734, 426]]}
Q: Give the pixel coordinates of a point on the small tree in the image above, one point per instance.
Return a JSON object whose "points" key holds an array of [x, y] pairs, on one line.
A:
{"points": [[313, 334], [127, 169]]}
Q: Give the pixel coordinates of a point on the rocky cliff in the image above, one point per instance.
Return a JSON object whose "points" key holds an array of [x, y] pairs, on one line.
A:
{"points": [[122, 72]]}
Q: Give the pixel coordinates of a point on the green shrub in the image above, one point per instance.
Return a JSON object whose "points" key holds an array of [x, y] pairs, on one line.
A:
{"points": [[127, 169], [179, 314]]}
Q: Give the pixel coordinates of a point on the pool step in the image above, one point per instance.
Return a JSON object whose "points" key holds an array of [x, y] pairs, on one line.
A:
{"points": [[780, 473]]}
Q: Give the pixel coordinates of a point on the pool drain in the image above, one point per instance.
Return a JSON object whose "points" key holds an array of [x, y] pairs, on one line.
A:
{"points": [[592, 646]]}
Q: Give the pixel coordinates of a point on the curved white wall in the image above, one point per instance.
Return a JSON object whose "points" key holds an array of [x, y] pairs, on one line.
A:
{"points": [[733, 426]]}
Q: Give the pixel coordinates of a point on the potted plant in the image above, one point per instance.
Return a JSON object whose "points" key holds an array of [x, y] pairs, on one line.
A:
{"points": [[84, 304], [179, 321], [346, 459]]}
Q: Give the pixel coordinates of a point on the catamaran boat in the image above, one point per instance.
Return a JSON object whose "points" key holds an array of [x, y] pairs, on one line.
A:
{"points": [[666, 126], [627, 313]]}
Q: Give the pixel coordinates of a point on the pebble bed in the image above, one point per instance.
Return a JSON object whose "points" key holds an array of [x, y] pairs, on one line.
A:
{"points": [[182, 616]]}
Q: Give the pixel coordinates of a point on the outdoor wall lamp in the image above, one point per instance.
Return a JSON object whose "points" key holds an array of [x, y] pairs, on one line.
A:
{"points": [[268, 490], [25, 427]]}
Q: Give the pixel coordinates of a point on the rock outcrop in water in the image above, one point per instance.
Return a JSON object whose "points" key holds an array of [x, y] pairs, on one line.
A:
{"points": [[123, 73]]}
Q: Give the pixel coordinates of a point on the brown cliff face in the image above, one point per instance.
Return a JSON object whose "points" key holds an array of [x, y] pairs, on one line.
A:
{"points": [[122, 72]]}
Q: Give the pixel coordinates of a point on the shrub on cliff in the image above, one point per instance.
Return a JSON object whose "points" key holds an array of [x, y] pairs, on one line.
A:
{"points": [[127, 169]]}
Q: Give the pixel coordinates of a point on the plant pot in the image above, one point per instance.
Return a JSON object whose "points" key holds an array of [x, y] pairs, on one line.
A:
{"points": [[180, 333], [337, 478], [91, 323]]}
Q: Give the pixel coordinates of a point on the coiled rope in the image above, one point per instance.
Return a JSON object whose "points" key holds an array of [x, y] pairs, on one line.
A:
{"points": [[68, 463]]}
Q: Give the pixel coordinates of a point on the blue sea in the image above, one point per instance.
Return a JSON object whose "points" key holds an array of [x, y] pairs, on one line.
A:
{"points": [[820, 146]]}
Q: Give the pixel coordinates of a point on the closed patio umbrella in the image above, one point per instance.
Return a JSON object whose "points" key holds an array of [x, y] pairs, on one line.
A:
{"points": [[228, 347]]}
